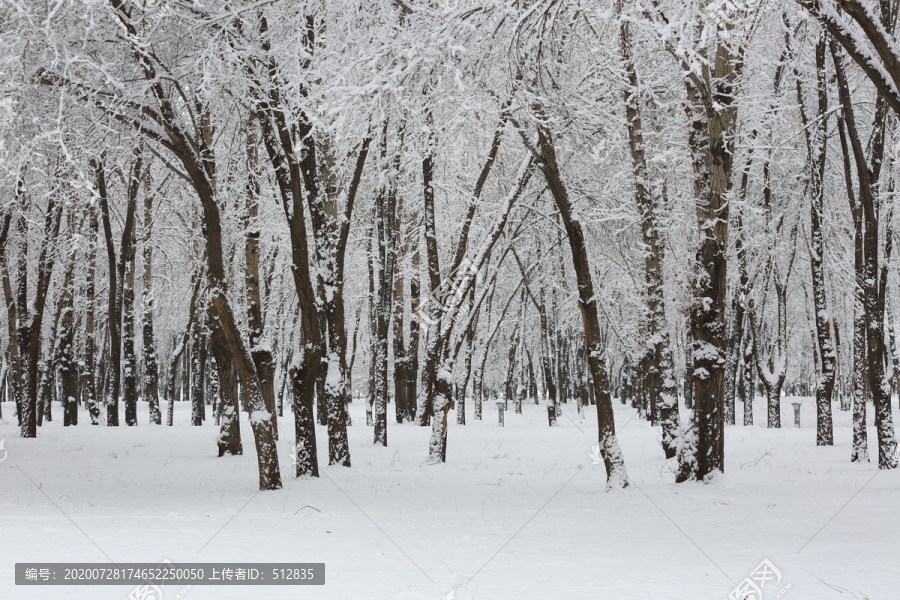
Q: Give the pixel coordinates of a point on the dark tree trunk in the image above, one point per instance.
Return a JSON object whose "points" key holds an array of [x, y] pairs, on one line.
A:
{"points": [[689, 371], [817, 145], [401, 360], [65, 353], [385, 220], [260, 351], [126, 271], [412, 355], [14, 377], [467, 364], [869, 321], [151, 365], [713, 114], [30, 324], [197, 342], [193, 147], [113, 320], [373, 329], [306, 460], [229, 439], [614, 462]]}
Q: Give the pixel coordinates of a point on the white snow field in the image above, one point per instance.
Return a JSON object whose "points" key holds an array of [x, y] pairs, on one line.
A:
{"points": [[516, 513]]}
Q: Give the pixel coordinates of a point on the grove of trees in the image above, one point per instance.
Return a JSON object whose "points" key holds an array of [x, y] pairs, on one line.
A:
{"points": [[437, 204]]}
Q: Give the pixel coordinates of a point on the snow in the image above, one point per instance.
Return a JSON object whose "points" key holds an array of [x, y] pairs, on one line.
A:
{"points": [[333, 379], [258, 417], [516, 513], [704, 351]]}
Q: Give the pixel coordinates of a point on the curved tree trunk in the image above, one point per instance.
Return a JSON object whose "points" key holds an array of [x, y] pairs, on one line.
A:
{"points": [[616, 474]]}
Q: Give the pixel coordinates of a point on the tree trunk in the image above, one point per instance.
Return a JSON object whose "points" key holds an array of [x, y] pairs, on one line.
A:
{"points": [[151, 365], [229, 439], [385, 219], [130, 378], [113, 320], [660, 376], [817, 145], [373, 328], [196, 375], [412, 353], [16, 383], [30, 324], [65, 352], [869, 300], [616, 474], [88, 374], [712, 143]]}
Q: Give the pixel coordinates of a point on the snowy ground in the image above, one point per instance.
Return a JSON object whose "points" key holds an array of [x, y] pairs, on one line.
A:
{"points": [[516, 513]]}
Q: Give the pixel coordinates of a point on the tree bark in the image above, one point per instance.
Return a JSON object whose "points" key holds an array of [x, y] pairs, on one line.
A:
{"points": [[817, 145], [659, 378], [113, 320], [616, 474], [229, 439], [65, 352], [713, 113], [88, 375], [151, 365], [30, 324], [126, 302], [870, 319]]}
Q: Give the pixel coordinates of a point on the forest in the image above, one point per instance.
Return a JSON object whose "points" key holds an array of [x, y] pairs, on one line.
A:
{"points": [[306, 225]]}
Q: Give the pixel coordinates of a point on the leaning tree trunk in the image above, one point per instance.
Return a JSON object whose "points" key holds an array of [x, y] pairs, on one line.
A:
{"points": [[30, 325], [868, 319], [437, 377], [467, 364], [616, 474], [193, 147]]}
